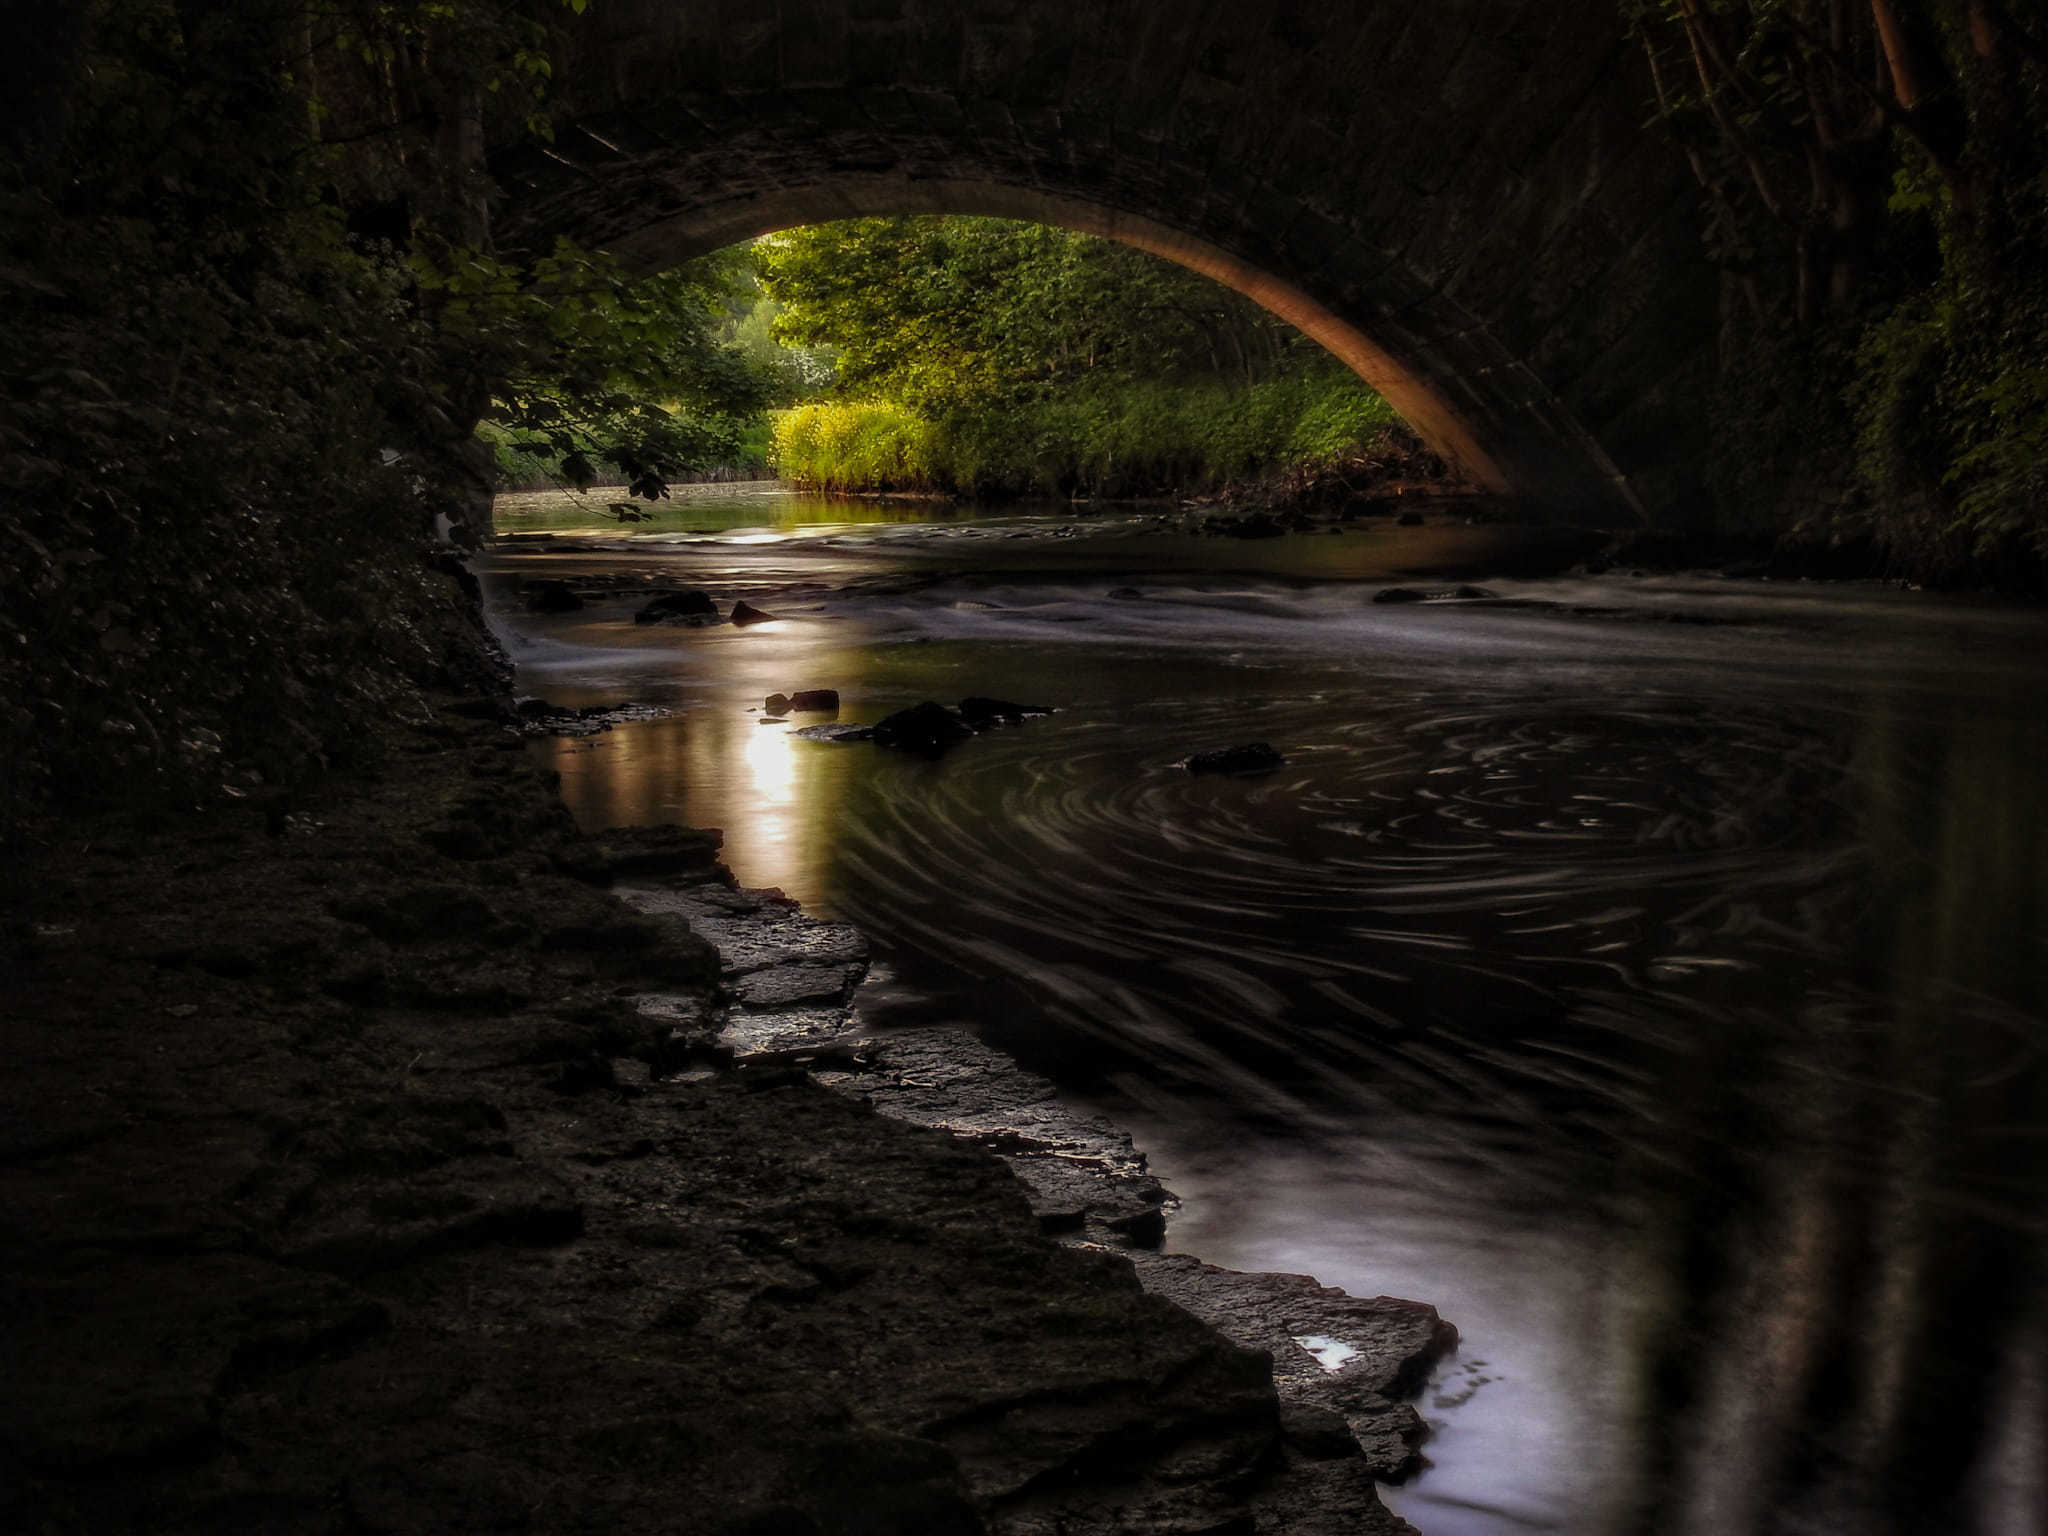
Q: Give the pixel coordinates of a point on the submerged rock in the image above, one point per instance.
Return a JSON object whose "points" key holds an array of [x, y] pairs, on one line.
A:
{"points": [[744, 614], [928, 728], [835, 732], [1250, 758], [1435, 595], [679, 608], [981, 713], [551, 597]]}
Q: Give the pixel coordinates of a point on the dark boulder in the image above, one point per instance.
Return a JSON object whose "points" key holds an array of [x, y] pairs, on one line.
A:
{"points": [[744, 614], [981, 713], [679, 608], [551, 597], [1250, 758], [928, 728], [1397, 595]]}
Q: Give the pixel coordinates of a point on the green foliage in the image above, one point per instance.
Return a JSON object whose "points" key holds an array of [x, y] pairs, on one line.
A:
{"points": [[940, 312], [230, 418], [787, 374], [1951, 401], [206, 550], [588, 365], [1876, 180], [1126, 439], [1037, 361], [871, 446]]}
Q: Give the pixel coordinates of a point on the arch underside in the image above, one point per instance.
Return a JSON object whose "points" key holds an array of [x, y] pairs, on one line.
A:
{"points": [[1491, 243]]}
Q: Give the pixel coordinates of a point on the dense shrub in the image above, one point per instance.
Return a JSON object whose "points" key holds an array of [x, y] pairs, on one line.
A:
{"points": [[1134, 438], [858, 446]]}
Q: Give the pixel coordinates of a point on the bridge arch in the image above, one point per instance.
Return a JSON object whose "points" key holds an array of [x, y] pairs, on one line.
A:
{"points": [[1456, 200]]}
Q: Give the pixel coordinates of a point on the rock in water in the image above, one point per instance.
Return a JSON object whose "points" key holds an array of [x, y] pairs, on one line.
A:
{"points": [[1253, 757], [836, 732], [1397, 595], [981, 713], [679, 608], [805, 701], [551, 597], [928, 728], [744, 614]]}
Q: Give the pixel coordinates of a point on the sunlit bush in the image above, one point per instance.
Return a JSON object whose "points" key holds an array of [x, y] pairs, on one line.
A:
{"points": [[855, 446], [1128, 439]]}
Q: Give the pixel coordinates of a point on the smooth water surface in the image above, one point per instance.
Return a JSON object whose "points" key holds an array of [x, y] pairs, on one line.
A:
{"points": [[1648, 972]]}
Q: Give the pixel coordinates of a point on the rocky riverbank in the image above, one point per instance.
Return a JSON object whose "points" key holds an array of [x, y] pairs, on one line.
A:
{"points": [[368, 1166]]}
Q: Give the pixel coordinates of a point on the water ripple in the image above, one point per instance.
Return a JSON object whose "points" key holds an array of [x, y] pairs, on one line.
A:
{"points": [[1418, 908]]}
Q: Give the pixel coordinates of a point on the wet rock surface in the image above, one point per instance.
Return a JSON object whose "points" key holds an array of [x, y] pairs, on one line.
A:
{"points": [[386, 1174], [1343, 1366], [536, 717]]}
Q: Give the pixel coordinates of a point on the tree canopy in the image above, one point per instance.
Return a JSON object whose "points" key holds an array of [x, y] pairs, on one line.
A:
{"points": [[940, 311], [1875, 188]]}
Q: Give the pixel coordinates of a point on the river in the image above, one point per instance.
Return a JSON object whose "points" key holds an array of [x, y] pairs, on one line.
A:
{"points": [[1648, 971]]}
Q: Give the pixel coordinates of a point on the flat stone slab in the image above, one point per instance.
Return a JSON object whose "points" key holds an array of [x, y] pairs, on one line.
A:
{"points": [[792, 1029], [1084, 1175], [791, 986], [749, 944], [1336, 1357]]}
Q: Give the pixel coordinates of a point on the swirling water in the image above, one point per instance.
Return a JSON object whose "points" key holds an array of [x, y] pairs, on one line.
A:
{"points": [[1647, 972]]}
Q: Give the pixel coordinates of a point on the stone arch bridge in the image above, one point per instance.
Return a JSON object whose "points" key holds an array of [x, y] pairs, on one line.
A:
{"points": [[1460, 199]]}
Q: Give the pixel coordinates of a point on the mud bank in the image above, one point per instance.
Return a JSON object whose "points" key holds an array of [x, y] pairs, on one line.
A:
{"points": [[365, 1165]]}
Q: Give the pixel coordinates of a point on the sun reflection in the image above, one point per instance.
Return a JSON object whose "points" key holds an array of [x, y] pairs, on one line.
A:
{"points": [[771, 764]]}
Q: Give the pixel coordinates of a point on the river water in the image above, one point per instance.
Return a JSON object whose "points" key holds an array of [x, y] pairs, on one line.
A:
{"points": [[1649, 972]]}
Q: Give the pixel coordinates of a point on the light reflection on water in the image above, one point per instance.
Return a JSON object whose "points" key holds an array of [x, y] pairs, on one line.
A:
{"points": [[1661, 1000]]}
